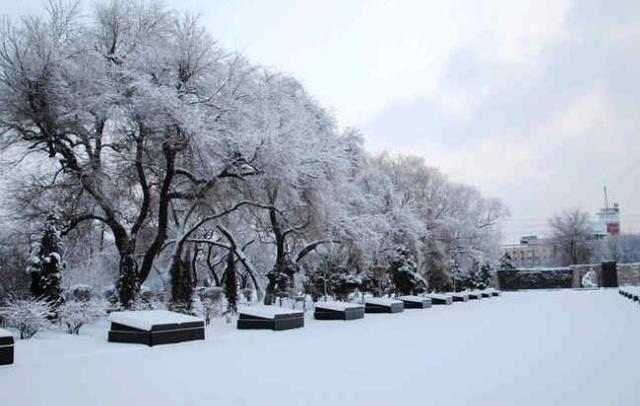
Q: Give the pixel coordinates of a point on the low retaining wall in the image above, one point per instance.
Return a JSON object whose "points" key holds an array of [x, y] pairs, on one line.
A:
{"points": [[579, 271], [629, 274], [555, 278], [568, 277]]}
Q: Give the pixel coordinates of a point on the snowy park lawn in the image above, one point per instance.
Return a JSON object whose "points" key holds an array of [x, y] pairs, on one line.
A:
{"points": [[560, 347]]}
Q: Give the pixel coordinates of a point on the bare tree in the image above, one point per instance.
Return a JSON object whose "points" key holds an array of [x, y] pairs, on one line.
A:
{"points": [[572, 231]]}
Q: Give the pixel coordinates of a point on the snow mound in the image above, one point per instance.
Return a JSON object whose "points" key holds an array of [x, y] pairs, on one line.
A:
{"points": [[339, 306], [146, 319]]}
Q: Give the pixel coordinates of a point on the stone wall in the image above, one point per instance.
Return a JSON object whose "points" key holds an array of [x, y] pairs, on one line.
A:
{"points": [[629, 274], [580, 270], [545, 278]]}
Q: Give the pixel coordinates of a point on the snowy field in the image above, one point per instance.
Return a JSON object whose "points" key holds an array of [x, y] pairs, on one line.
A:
{"points": [[527, 348]]}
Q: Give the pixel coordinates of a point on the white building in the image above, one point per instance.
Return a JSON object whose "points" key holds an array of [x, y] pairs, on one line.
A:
{"points": [[608, 221]]}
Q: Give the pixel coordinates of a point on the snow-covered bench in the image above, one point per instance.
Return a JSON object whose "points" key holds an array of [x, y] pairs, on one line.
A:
{"points": [[269, 318], [153, 327], [6, 347], [459, 296], [415, 302], [474, 294], [338, 311], [493, 292], [383, 305], [486, 294], [439, 299], [631, 292]]}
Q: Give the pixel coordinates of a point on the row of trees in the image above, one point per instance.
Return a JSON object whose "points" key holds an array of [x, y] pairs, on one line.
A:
{"points": [[167, 159]]}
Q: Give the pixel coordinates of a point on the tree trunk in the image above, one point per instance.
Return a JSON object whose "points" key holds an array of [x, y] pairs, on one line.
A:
{"points": [[163, 214], [281, 273]]}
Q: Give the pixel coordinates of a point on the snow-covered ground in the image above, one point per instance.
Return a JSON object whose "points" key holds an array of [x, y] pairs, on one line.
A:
{"points": [[527, 348]]}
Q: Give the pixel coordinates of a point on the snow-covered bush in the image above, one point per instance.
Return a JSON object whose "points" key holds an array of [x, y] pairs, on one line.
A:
{"points": [[404, 273], [247, 293], [375, 281], [80, 292], [73, 314], [208, 303], [337, 281], [110, 294], [45, 263], [149, 299], [28, 316]]}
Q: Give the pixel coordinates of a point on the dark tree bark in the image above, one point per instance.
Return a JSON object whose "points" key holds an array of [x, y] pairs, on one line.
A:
{"points": [[181, 284], [231, 283]]}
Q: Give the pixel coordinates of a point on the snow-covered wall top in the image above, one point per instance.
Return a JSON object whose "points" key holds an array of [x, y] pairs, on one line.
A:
{"points": [[146, 319], [340, 306], [266, 311]]}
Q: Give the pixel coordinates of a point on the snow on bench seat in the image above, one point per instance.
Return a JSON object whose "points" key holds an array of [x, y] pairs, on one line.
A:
{"points": [[383, 305], [269, 317], [440, 299], [153, 327], [6, 347], [332, 310], [415, 302]]}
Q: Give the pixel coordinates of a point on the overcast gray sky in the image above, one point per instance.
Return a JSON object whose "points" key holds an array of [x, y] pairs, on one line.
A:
{"points": [[536, 103]]}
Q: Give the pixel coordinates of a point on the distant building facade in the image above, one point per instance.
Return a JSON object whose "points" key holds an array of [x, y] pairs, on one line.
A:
{"points": [[533, 252]]}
